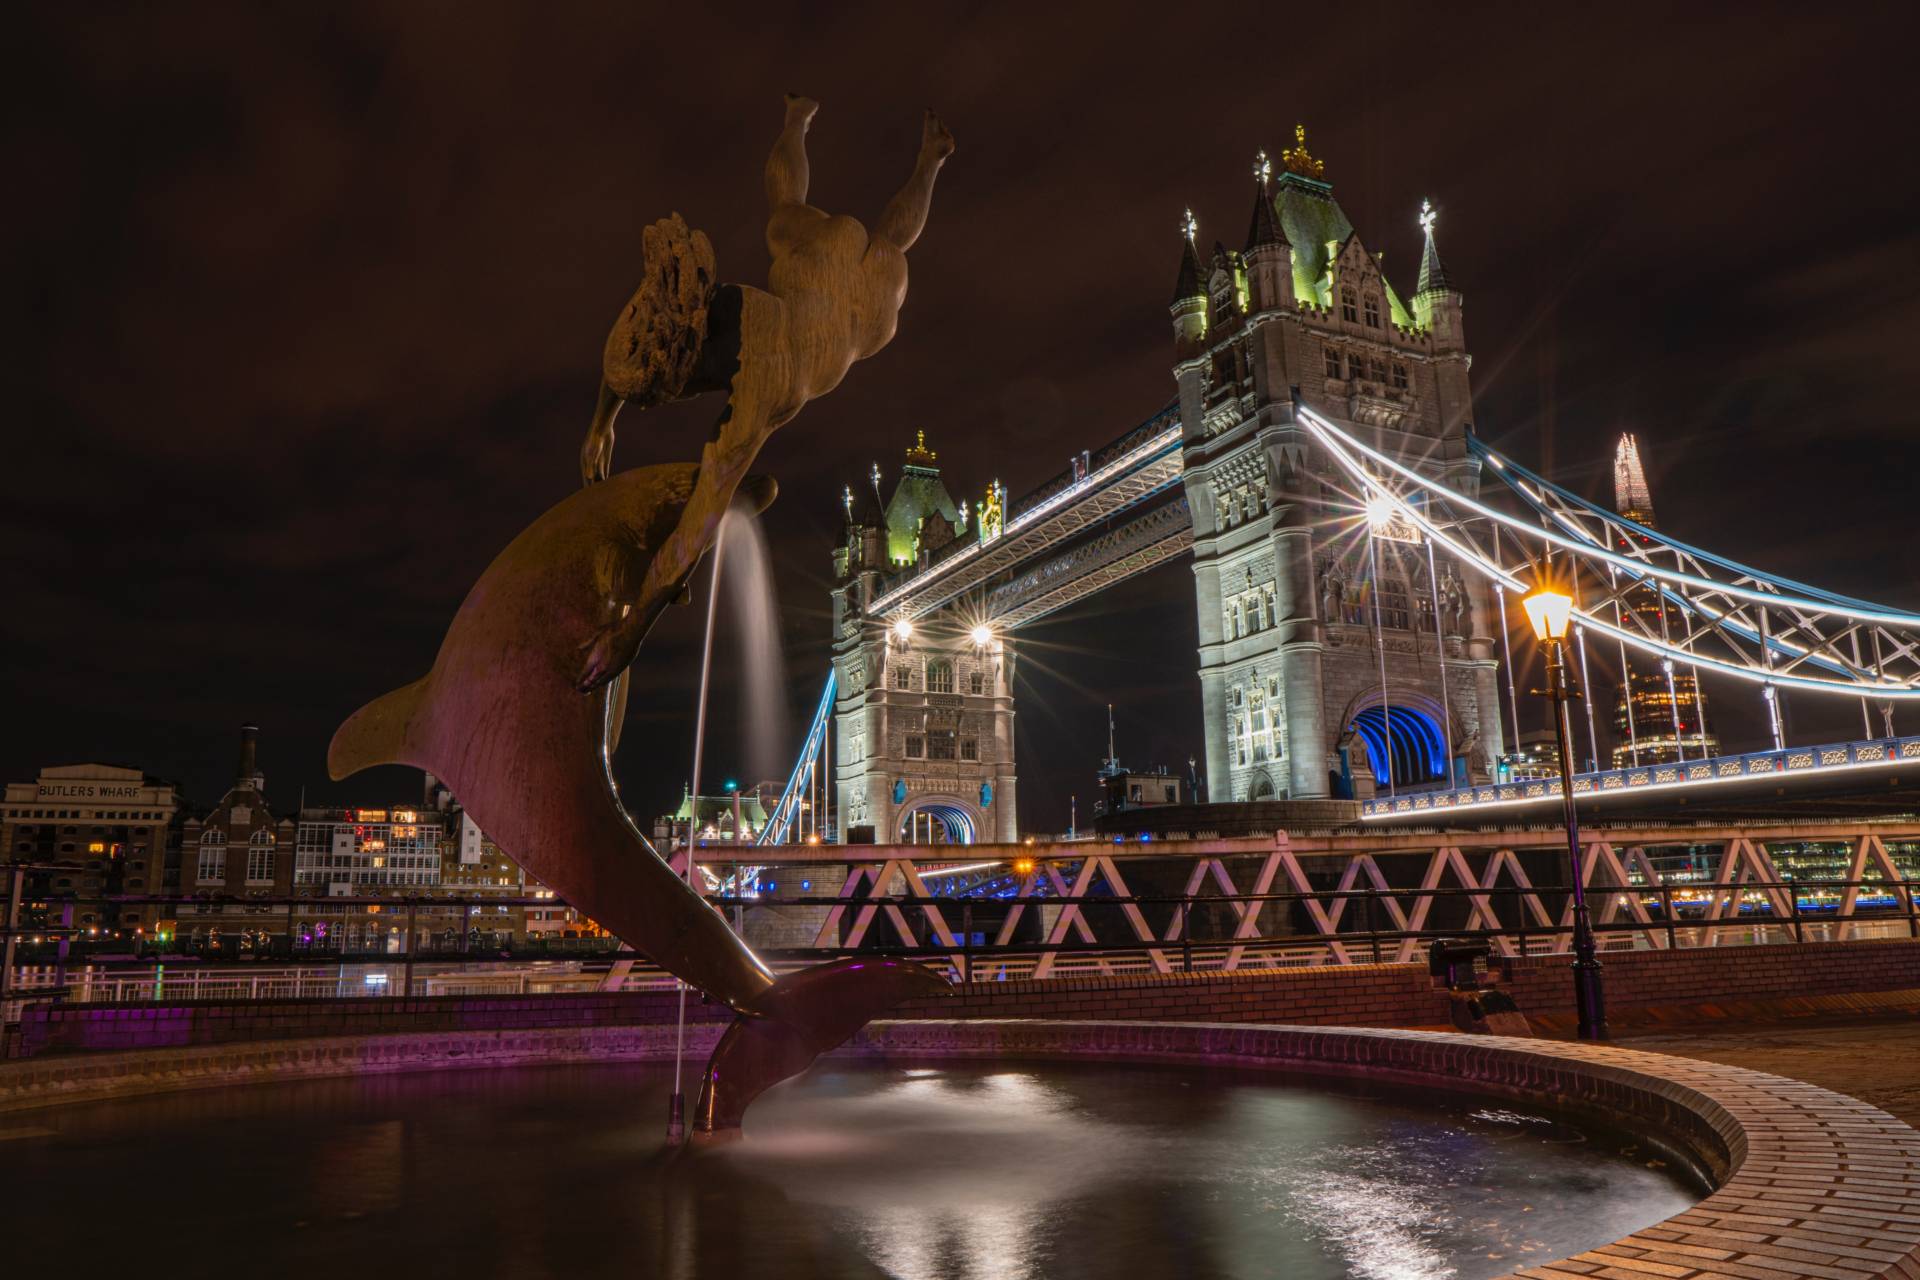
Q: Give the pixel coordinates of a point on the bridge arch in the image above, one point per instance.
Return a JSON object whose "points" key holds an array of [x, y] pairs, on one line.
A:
{"points": [[940, 820], [1407, 729]]}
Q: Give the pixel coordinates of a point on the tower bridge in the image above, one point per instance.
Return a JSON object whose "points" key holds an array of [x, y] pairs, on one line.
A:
{"points": [[1320, 466]]}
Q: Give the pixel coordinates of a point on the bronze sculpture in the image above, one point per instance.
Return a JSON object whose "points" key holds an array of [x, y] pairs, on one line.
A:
{"points": [[523, 706], [833, 297]]}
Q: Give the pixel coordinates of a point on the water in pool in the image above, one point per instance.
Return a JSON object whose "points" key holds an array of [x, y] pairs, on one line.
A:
{"points": [[981, 1172]]}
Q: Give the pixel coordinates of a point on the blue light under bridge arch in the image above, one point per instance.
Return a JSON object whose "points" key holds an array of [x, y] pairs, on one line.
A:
{"points": [[1419, 755], [957, 821]]}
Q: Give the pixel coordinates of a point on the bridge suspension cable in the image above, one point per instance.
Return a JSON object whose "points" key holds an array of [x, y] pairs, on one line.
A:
{"points": [[1733, 619], [807, 782]]}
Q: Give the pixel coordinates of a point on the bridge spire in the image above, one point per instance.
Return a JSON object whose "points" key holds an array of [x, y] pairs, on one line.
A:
{"points": [[1187, 284], [1433, 276], [1263, 230]]}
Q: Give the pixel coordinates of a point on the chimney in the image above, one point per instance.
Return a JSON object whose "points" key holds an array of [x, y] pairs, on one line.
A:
{"points": [[249, 736]]}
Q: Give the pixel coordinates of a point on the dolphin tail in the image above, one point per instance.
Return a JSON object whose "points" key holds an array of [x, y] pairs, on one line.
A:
{"points": [[376, 733], [799, 1018]]}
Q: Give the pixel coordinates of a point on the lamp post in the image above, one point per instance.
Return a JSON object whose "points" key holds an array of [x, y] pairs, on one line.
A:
{"points": [[1550, 612]]}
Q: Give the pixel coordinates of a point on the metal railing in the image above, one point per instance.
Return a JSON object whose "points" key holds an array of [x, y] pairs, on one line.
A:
{"points": [[1832, 757], [970, 939]]}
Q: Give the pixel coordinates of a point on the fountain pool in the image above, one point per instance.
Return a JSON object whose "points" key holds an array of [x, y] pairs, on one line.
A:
{"points": [[1007, 1171]]}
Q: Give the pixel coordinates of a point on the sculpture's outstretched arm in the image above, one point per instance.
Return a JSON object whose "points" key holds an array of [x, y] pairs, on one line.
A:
{"points": [[787, 172], [906, 214]]}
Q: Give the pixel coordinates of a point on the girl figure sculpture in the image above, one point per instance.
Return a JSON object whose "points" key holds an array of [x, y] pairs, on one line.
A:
{"points": [[833, 297]]}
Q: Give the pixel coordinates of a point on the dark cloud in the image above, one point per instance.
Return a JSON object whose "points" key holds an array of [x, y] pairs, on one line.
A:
{"points": [[305, 308]]}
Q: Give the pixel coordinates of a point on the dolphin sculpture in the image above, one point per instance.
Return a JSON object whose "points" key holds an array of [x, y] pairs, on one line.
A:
{"points": [[502, 717]]}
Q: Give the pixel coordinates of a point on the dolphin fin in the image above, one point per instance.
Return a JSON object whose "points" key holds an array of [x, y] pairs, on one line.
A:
{"points": [[376, 733]]}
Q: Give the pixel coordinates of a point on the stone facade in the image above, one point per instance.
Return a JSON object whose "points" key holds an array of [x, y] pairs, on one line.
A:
{"points": [[95, 829], [1299, 608], [922, 743]]}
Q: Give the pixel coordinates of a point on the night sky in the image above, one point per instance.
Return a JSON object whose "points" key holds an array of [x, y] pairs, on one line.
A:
{"points": [[304, 314]]}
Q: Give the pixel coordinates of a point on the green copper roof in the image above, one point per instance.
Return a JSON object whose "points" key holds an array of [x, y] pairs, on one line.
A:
{"points": [[1316, 227], [918, 495]]}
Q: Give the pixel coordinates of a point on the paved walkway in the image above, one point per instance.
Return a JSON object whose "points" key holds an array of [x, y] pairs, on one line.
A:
{"points": [[1876, 1059]]}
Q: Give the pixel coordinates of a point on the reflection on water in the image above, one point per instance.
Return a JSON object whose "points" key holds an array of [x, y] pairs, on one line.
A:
{"points": [[969, 1172]]}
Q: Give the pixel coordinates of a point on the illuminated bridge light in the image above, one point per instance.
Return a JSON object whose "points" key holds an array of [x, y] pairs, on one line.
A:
{"points": [[1804, 761]]}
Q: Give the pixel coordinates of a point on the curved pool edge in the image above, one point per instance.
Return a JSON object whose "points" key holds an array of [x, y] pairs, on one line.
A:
{"points": [[1808, 1182]]}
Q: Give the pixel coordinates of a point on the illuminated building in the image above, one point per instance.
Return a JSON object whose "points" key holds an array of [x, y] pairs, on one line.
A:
{"points": [[103, 829], [922, 726], [1659, 712], [1329, 644], [735, 817], [1536, 756], [239, 850]]}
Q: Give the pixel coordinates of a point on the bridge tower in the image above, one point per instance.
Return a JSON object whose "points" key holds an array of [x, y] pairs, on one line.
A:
{"points": [[923, 717], [1304, 615]]}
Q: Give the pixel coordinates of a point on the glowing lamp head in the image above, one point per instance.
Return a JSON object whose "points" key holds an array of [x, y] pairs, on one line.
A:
{"points": [[902, 630], [1549, 611], [1023, 866], [982, 636], [1380, 511]]}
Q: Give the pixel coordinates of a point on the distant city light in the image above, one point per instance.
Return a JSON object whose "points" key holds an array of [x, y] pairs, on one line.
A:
{"points": [[982, 636]]}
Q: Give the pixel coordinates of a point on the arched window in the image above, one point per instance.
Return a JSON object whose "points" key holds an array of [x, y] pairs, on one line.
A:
{"points": [[260, 858], [1348, 311], [1393, 602], [939, 675], [1373, 312], [977, 683], [213, 857]]}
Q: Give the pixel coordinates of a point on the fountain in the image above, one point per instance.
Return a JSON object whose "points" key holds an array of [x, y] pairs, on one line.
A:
{"points": [[526, 699]]}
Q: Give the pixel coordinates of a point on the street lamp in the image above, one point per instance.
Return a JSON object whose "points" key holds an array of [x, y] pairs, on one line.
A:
{"points": [[1550, 612]]}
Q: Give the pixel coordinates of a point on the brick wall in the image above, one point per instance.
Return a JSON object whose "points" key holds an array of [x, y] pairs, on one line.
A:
{"points": [[1724, 975], [95, 1027], [1384, 995]]}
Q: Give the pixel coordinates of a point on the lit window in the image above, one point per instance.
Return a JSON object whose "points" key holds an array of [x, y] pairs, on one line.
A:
{"points": [[939, 676], [212, 868], [260, 858], [1347, 310], [902, 679], [1373, 312]]}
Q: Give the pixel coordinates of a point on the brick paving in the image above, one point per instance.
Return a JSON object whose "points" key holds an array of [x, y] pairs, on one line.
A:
{"points": [[1875, 1059]]}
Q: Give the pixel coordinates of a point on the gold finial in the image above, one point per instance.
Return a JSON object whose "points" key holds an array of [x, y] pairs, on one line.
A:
{"points": [[1189, 226], [920, 453], [1295, 158], [1262, 168], [1428, 216]]}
